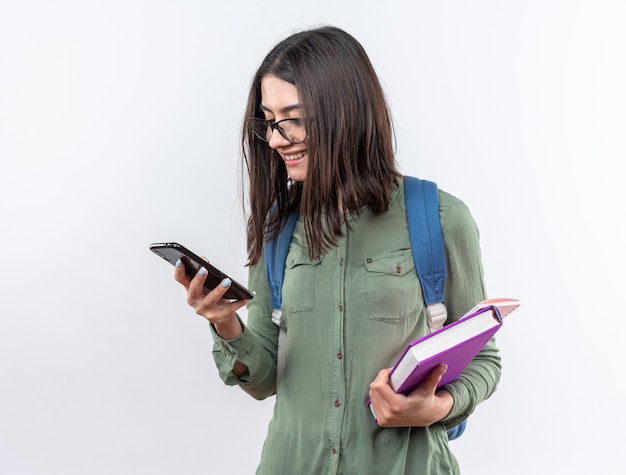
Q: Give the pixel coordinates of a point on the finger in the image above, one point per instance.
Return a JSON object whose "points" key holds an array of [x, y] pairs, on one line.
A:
{"points": [[180, 275], [385, 402], [382, 378], [196, 290], [221, 289], [199, 295], [380, 385], [431, 382]]}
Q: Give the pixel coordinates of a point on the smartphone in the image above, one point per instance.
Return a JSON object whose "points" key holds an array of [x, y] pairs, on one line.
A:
{"points": [[172, 251]]}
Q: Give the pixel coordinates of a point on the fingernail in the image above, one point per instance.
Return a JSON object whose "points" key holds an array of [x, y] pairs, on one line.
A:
{"points": [[444, 370], [202, 272], [225, 283], [179, 263], [254, 293]]}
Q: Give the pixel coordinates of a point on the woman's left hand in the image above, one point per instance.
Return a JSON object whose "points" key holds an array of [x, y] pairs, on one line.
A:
{"points": [[421, 408]]}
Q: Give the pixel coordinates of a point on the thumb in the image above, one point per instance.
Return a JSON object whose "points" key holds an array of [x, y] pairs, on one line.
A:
{"points": [[435, 376]]}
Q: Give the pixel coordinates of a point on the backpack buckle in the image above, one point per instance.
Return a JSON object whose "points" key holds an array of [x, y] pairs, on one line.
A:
{"points": [[278, 320], [437, 314]]}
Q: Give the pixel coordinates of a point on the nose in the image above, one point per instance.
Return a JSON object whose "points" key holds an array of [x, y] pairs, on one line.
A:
{"points": [[277, 140]]}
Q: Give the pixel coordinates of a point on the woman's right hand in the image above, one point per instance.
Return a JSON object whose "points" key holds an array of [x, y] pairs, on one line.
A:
{"points": [[211, 304]]}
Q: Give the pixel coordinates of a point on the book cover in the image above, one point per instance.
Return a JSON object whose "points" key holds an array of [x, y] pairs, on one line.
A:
{"points": [[455, 345]]}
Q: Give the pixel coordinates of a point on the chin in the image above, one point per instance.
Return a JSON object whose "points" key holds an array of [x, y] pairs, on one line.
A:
{"points": [[297, 175]]}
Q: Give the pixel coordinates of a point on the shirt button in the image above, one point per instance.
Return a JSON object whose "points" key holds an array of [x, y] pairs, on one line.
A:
{"points": [[340, 355], [340, 307], [337, 403], [333, 450], [398, 270], [341, 261]]}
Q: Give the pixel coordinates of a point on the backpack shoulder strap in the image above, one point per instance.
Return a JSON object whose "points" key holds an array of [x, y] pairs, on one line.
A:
{"points": [[275, 256], [422, 211]]}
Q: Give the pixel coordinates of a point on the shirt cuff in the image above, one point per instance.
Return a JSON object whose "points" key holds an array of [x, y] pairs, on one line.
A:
{"points": [[458, 412], [227, 352]]}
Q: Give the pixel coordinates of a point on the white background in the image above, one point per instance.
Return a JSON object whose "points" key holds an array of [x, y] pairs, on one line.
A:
{"points": [[119, 126]]}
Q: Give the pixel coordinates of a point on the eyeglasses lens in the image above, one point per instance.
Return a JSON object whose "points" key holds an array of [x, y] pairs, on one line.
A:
{"points": [[291, 130]]}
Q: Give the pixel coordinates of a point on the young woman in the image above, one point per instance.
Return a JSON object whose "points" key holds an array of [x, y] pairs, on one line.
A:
{"points": [[318, 139]]}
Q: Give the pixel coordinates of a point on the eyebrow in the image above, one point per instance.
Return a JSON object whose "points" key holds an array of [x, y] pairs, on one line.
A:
{"points": [[283, 110]]}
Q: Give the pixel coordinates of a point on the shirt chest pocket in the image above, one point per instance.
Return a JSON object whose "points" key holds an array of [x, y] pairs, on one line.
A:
{"points": [[299, 283], [393, 289]]}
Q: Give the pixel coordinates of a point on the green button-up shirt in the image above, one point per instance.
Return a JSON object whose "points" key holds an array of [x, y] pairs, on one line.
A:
{"points": [[350, 314]]}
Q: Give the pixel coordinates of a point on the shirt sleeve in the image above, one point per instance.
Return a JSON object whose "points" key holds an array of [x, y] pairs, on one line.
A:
{"points": [[463, 289], [256, 347]]}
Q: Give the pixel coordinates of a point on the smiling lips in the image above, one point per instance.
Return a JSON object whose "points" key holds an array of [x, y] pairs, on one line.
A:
{"points": [[294, 157]]}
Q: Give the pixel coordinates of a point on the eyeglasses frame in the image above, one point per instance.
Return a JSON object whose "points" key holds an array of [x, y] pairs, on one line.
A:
{"points": [[275, 125]]}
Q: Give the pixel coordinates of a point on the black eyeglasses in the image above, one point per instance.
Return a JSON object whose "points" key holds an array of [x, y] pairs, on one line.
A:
{"points": [[292, 130]]}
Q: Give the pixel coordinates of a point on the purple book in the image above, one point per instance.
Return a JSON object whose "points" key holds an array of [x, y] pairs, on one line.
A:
{"points": [[455, 345]]}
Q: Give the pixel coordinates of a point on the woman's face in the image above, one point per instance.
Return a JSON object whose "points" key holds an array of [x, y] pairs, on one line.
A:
{"points": [[279, 101]]}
